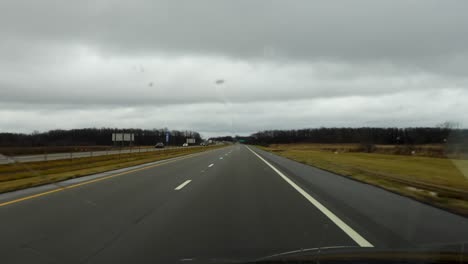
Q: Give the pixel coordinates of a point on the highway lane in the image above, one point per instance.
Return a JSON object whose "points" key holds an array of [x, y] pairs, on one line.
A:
{"points": [[223, 204], [83, 154], [388, 219]]}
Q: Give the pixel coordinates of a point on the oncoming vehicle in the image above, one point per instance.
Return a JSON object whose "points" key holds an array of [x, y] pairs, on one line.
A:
{"points": [[159, 145], [185, 145]]}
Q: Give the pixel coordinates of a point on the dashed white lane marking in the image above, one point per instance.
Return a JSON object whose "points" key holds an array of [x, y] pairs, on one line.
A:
{"points": [[211, 165], [361, 241], [182, 185]]}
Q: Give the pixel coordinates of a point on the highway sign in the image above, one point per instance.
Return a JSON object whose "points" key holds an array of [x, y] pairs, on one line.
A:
{"points": [[123, 137]]}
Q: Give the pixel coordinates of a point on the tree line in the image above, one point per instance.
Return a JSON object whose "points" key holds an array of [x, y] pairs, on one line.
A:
{"points": [[366, 135], [94, 137]]}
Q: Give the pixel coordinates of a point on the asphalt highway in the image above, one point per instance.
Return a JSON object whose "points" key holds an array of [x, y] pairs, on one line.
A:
{"points": [[83, 154], [231, 204]]}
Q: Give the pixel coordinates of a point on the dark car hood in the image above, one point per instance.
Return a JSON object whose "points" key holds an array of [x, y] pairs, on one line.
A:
{"points": [[443, 254]]}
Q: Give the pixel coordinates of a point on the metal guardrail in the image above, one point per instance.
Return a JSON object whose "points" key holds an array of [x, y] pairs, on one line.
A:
{"points": [[85, 154]]}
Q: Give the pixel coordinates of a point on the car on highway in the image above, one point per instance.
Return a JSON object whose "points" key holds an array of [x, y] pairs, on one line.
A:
{"points": [[185, 145], [159, 145]]}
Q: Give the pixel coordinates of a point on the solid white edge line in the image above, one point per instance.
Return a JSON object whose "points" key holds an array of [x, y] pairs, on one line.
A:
{"points": [[361, 241], [211, 165], [182, 185]]}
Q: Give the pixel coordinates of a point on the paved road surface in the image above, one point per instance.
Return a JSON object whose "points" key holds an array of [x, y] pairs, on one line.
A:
{"points": [[75, 155], [225, 204]]}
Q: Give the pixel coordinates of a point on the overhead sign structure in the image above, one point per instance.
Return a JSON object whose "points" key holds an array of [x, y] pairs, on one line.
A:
{"points": [[123, 137]]}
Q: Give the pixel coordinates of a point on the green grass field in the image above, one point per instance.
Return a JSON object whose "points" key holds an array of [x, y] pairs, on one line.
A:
{"points": [[23, 175], [440, 181]]}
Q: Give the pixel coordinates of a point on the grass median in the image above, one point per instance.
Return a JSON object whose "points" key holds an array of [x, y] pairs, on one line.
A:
{"points": [[441, 182], [17, 176]]}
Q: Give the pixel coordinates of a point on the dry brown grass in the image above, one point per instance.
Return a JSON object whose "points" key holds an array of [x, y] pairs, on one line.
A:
{"points": [[439, 181], [22, 175], [427, 150], [9, 151]]}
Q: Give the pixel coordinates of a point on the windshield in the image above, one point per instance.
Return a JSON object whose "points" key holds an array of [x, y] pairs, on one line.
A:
{"points": [[232, 131]]}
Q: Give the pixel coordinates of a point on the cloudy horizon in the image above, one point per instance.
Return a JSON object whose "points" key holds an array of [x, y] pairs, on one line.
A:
{"points": [[283, 65]]}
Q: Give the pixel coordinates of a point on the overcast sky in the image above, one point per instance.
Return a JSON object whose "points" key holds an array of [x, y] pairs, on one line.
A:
{"points": [[285, 64]]}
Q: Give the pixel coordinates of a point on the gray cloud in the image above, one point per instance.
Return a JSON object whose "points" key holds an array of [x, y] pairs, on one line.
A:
{"points": [[370, 30], [112, 60], [92, 80], [242, 118]]}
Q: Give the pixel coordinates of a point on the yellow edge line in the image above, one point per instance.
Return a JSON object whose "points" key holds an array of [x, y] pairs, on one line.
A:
{"points": [[97, 180]]}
